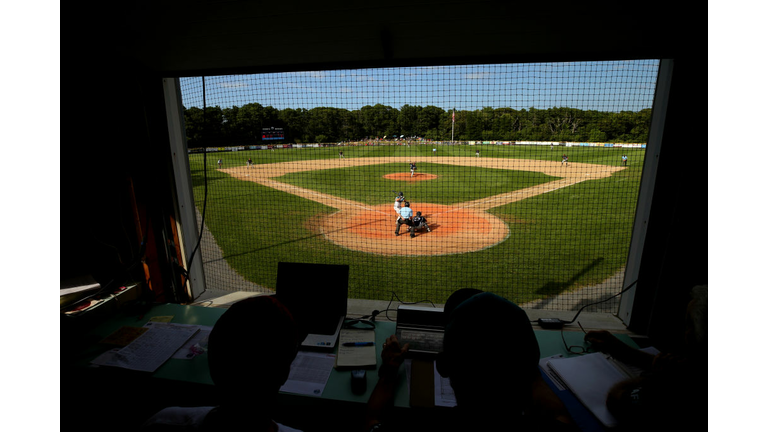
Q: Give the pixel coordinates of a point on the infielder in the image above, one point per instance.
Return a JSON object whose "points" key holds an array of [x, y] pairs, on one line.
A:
{"points": [[564, 161], [413, 168]]}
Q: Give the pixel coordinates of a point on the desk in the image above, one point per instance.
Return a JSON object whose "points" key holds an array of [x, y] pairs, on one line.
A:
{"points": [[188, 382]]}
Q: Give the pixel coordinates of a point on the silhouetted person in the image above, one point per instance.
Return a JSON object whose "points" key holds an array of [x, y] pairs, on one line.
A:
{"points": [[672, 390], [250, 351], [491, 356]]}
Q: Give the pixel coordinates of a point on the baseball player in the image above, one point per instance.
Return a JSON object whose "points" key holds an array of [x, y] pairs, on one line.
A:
{"points": [[413, 168], [624, 160], [477, 153], [398, 202], [219, 163], [420, 222], [406, 217], [565, 160]]}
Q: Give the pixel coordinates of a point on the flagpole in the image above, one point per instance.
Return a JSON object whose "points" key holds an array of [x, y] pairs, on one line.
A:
{"points": [[453, 122]]}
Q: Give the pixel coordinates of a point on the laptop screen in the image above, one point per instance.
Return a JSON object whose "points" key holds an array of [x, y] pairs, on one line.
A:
{"points": [[316, 294]]}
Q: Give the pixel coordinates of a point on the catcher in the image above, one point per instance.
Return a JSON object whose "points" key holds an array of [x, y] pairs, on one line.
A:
{"points": [[420, 222]]}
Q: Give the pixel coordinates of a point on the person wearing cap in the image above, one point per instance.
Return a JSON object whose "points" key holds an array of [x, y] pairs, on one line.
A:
{"points": [[406, 217], [420, 222], [490, 354], [246, 376], [398, 203]]}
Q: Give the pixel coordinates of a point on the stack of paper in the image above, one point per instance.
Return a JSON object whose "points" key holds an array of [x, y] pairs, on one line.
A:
{"points": [[151, 349], [590, 377]]}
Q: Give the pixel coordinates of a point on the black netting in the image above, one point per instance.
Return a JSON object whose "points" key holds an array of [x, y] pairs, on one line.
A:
{"points": [[311, 163]]}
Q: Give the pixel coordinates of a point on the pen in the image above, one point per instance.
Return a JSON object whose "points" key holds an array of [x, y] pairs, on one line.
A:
{"points": [[357, 344]]}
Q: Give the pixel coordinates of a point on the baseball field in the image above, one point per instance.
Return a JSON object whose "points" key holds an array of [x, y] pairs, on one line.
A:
{"points": [[516, 220]]}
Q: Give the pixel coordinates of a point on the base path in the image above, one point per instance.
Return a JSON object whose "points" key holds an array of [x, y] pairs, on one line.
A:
{"points": [[458, 228]]}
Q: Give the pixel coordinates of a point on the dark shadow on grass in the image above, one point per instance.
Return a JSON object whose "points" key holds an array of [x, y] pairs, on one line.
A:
{"points": [[198, 177], [224, 257], [552, 289]]}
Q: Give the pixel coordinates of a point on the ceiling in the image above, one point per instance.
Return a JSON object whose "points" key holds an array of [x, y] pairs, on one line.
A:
{"points": [[195, 37]]}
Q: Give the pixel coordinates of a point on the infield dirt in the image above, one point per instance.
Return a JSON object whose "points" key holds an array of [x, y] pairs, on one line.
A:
{"points": [[459, 228]]}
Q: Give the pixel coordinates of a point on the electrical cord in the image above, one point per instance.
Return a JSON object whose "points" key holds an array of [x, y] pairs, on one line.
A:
{"points": [[185, 272], [556, 323], [394, 296]]}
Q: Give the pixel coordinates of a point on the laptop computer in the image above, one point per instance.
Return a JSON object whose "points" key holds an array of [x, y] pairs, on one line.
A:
{"points": [[316, 295], [422, 327]]}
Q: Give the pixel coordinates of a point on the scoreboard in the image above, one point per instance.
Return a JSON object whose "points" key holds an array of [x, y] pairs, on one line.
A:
{"points": [[272, 134]]}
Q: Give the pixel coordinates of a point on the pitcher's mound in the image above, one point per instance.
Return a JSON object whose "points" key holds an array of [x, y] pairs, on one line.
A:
{"points": [[407, 177], [454, 230]]}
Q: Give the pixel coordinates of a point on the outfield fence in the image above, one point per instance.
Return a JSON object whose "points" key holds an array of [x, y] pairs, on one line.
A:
{"points": [[396, 143]]}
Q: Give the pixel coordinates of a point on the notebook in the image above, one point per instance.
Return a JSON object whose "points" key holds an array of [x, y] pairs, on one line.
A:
{"points": [[316, 295], [422, 328], [590, 377], [358, 356]]}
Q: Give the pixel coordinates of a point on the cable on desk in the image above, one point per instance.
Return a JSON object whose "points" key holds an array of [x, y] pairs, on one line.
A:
{"points": [[557, 323], [394, 296]]}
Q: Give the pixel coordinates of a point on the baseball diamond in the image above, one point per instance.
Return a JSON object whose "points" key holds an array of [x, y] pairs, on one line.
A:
{"points": [[457, 228]]}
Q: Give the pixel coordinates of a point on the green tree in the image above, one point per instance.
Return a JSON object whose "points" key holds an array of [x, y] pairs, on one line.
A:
{"points": [[408, 120]]}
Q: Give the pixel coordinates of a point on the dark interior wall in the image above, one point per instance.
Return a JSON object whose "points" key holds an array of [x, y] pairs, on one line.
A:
{"points": [[115, 182], [121, 54], [676, 250]]}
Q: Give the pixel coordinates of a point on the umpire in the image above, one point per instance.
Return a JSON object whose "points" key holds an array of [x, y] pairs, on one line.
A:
{"points": [[406, 217]]}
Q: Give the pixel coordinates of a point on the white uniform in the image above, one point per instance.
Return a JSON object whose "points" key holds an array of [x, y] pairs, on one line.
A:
{"points": [[398, 200]]}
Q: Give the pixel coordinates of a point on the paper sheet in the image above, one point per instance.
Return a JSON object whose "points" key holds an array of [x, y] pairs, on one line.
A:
{"points": [[444, 395], [195, 346], [309, 373], [150, 350]]}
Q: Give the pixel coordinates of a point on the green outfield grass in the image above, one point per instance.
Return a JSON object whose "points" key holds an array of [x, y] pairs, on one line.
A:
{"points": [[558, 241], [454, 184]]}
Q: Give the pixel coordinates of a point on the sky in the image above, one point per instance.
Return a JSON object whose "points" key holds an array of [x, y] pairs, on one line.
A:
{"points": [[604, 86]]}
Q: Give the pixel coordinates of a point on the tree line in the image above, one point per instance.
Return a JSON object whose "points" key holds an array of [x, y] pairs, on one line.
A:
{"points": [[243, 125]]}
